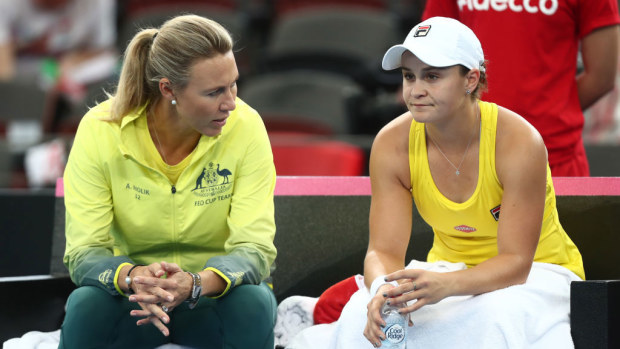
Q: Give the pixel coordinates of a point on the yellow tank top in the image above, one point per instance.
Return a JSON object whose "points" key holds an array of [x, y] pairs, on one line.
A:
{"points": [[467, 232]]}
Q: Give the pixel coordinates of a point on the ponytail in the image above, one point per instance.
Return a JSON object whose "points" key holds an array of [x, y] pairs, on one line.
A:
{"points": [[134, 89]]}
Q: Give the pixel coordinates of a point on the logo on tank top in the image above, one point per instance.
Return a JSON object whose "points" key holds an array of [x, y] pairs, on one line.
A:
{"points": [[546, 7], [465, 228], [495, 212]]}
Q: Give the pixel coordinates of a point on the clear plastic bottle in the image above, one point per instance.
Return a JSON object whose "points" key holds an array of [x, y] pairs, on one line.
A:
{"points": [[395, 329]]}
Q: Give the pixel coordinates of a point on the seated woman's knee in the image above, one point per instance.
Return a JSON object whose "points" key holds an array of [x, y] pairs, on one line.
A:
{"points": [[88, 299], [257, 302]]}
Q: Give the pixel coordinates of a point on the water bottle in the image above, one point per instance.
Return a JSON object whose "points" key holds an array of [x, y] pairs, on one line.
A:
{"points": [[395, 330]]}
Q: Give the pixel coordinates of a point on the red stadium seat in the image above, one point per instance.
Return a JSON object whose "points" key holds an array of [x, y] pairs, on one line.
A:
{"points": [[299, 155]]}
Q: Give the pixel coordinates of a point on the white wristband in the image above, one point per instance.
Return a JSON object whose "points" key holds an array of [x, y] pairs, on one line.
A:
{"points": [[378, 282]]}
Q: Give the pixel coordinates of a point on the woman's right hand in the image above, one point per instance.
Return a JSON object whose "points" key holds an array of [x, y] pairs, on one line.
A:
{"points": [[374, 324]]}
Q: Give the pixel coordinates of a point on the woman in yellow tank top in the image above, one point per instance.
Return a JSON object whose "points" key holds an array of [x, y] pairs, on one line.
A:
{"points": [[463, 161]]}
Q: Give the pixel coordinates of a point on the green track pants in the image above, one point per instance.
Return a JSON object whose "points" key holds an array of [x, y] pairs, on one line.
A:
{"points": [[242, 319]]}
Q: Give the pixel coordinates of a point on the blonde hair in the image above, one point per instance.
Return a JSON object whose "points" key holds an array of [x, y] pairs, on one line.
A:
{"points": [[168, 52]]}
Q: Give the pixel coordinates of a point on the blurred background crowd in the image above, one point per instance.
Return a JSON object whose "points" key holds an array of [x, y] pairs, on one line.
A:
{"points": [[312, 68]]}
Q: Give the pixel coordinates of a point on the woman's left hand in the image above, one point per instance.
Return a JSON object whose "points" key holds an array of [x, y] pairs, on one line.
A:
{"points": [[161, 295], [426, 287]]}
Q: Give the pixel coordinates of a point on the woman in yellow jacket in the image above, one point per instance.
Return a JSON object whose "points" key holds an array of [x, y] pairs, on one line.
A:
{"points": [[169, 199]]}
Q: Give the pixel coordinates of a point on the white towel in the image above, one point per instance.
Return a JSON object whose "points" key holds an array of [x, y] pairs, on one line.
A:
{"points": [[34, 340], [532, 315], [315, 337], [295, 314]]}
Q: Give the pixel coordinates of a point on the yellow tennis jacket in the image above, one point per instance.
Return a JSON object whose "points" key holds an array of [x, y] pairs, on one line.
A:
{"points": [[120, 208]]}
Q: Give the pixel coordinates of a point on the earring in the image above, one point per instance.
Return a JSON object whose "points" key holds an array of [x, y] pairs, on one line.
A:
{"points": [[173, 102], [467, 92]]}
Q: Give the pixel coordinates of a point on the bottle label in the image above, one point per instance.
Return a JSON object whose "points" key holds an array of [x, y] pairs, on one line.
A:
{"points": [[395, 333]]}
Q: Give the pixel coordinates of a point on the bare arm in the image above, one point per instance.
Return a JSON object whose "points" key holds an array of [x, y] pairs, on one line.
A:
{"points": [[390, 215], [391, 204], [599, 51], [7, 62]]}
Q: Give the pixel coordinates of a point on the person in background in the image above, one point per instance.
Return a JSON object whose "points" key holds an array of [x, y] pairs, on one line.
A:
{"points": [[602, 119], [169, 199], [64, 44], [533, 48], [498, 274]]}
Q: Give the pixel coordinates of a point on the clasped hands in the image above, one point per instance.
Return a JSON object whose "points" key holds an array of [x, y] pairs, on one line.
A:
{"points": [[156, 295]]}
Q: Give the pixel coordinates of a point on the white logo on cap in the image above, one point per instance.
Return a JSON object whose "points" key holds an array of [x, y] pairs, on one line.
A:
{"points": [[422, 31]]}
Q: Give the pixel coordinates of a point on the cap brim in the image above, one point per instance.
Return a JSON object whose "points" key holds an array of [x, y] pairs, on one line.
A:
{"points": [[393, 56]]}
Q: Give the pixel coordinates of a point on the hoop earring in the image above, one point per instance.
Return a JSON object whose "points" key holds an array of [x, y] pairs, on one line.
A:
{"points": [[173, 102]]}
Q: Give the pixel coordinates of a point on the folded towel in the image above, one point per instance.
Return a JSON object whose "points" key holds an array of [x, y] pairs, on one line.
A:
{"points": [[294, 315]]}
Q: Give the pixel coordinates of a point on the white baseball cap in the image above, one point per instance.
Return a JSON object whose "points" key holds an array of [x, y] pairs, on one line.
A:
{"points": [[439, 42]]}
